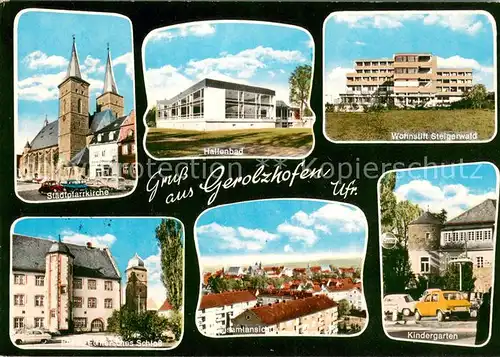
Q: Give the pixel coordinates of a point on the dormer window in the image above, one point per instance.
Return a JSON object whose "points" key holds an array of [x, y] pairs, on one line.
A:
{"points": [[111, 135], [99, 137]]}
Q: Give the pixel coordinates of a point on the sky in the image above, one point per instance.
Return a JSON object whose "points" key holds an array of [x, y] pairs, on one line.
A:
{"points": [[453, 188], [458, 38], [280, 231], [259, 54], [119, 234], [44, 41]]}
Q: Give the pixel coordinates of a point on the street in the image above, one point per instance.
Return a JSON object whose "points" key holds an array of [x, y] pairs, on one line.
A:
{"points": [[29, 192], [429, 329], [96, 340]]}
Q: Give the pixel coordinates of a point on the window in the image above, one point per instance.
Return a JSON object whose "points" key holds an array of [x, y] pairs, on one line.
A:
{"points": [[77, 283], [39, 322], [18, 322], [98, 172], [39, 280], [19, 300], [111, 135], [53, 313], [427, 235], [39, 300], [108, 285], [63, 289], [130, 133], [80, 322], [79, 106], [92, 284], [19, 279], [77, 301], [108, 303], [92, 303], [425, 266], [132, 148], [479, 262], [103, 153], [125, 149]]}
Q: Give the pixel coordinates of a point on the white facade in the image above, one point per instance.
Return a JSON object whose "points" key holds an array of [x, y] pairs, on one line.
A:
{"points": [[103, 160], [217, 320], [205, 107], [31, 307]]}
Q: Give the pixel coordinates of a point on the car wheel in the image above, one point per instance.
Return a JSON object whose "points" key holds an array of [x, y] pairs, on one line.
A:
{"points": [[440, 316], [18, 342], [406, 312], [417, 315], [44, 341]]}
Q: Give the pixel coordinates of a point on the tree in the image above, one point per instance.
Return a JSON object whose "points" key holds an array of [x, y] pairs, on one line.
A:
{"points": [[169, 236], [217, 284], [405, 213], [133, 326], [396, 268], [451, 278], [300, 85], [151, 118], [441, 216], [477, 96], [387, 199], [257, 282], [344, 308]]}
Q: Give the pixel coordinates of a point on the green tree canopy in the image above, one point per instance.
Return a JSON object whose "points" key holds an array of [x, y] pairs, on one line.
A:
{"points": [[451, 278], [300, 86], [344, 308], [169, 236], [151, 118], [477, 95]]}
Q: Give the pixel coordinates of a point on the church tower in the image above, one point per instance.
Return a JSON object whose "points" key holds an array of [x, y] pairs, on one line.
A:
{"points": [[59, 287], [110, 99], [73, 110], [136, 292]]}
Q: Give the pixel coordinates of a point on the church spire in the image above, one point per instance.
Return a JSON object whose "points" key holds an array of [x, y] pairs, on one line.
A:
{"points": [[74, 65], [109, 77]]}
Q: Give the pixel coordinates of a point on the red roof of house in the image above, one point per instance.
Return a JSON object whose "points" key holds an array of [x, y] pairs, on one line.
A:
{"points": [[347, 270], [289, 310], [225, 298], [315, 269], [299, 270], [166, 306], [285, 292]]}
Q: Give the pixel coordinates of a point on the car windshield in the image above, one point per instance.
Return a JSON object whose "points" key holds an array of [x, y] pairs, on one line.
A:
{"points": [[408, 298], [453, 296]]}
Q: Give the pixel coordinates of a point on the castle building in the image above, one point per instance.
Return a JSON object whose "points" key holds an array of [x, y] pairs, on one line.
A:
{"points": [[62, 287], [410, 79], [433, 245], [316, 315], [60, 150], [136, 292]]}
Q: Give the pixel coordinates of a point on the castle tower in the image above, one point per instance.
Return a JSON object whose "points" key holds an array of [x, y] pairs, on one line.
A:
{"points": [[59, 287], [110, 99], [136, 292], [73, 110], [424, 236]]}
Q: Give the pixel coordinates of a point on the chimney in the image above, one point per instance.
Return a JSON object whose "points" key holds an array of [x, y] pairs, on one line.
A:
{"points": [[89, 245]]}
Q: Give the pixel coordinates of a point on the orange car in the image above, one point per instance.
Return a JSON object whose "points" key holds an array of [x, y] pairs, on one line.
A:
{"points": [[443, 304]]}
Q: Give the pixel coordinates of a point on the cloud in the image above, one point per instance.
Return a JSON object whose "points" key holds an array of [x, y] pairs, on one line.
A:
{"points": [[288, 249], [453, 20], [105, 240], [298, 234], [349, 219], [336, 82], [41, 87], [243, 64], [156, 289], [360, 43], [165, 82], [198, 30], [40, 60], [271, 74], [239, 238], [455, 199], [92, 65], [126, 59]]}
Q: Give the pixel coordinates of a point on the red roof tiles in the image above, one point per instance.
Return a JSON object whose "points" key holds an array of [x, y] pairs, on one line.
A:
{"points": [[225, 298], [285, 311], [166, 306]]}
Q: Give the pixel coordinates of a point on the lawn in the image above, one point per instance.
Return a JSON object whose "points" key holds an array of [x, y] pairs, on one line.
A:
{"points": [[380, 126], [283, 142]]}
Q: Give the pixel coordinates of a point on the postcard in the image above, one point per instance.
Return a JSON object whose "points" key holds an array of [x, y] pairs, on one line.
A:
{"points": [[87, 283], [228, 89], [75, 131], [438, 241], [294, 268], [385, 81]]}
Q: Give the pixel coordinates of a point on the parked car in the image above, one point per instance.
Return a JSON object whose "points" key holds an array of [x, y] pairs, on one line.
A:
{"points": [[50, 186], [443, 304], [96, 184], [115, 182], [402, 303], [428, 291], [31, 336], [37, 180], [74, 185]]}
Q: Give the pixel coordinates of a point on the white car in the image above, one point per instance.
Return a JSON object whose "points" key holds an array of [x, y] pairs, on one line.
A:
{"points": [[31, 336], [427, 292], [402, 303], [115, 182]]}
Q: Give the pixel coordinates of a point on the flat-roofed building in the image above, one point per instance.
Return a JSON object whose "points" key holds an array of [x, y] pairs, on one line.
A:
{"points": [[217, 105], [409, 79]]}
